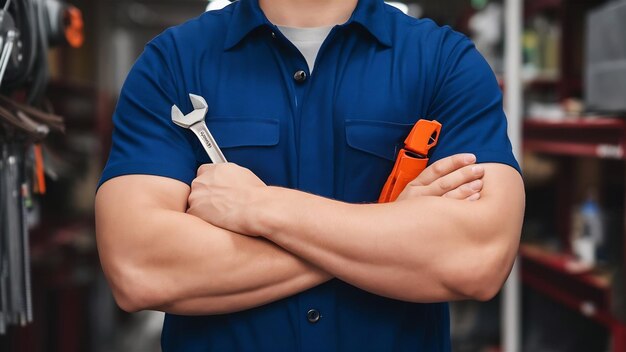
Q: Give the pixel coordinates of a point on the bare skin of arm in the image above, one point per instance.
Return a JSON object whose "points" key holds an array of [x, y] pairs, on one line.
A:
{"points": [[156, 256], [419, 249]]}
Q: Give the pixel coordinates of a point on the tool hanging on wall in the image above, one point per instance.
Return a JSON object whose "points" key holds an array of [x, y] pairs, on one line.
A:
{"points": [[27, 30], [23, 127]]}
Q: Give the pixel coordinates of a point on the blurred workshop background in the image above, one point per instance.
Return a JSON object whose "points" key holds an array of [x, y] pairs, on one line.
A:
{"points": [[62, 64]]}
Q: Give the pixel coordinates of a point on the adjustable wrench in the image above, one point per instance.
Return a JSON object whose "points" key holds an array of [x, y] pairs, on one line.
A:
{"points": [[195, 122]]}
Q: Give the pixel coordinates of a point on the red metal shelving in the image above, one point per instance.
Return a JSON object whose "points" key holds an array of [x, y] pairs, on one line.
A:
{"points": [[595, 122], [547, 272], [588, 293], [601, 137], [532, 8]]}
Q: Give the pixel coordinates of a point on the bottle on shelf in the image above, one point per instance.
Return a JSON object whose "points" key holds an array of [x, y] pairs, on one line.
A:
{"points": [[588, 230]]}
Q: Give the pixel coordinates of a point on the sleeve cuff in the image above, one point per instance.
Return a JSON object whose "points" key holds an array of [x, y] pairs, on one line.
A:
{"points": [[489, 156], [155, 168]]}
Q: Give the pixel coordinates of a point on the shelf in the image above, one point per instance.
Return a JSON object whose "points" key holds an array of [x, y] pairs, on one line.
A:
{"points": [[542, 83], [599, 122], [539, 82], [600, 137], [535, 7], [588, 292]]}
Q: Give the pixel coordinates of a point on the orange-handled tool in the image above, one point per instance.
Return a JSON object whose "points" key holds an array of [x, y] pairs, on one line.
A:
{"points": [[74, 27], [412, 159]]}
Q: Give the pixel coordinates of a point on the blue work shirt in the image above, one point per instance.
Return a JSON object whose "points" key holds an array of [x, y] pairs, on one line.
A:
{"points": [[334, 133]]}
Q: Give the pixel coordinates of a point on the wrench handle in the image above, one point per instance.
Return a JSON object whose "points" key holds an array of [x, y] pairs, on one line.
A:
{"points": [[208, 143]]}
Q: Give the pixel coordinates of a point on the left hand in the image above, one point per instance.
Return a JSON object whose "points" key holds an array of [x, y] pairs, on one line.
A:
{"points": [[455, 177], [223, 194]]}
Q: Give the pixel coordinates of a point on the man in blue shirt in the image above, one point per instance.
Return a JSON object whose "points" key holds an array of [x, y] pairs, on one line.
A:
{"points": [[288, 251]]}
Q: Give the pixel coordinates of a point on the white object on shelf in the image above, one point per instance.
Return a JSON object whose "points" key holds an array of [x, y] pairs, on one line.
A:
{"points": [[585, 250], [546, 111]]}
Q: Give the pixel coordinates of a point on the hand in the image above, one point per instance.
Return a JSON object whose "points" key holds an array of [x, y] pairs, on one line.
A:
{"points": [[456, 177], [222, 194]]}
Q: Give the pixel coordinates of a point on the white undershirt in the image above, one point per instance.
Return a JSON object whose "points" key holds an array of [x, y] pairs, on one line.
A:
{"points": [[307, 40]]}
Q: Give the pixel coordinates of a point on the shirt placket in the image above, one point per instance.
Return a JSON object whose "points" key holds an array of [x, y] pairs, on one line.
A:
{"points": [[316, 315]]}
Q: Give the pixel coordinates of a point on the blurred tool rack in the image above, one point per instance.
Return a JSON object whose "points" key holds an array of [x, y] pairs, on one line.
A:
{"points": [[594, 293], [589, 292], [599, 137]]}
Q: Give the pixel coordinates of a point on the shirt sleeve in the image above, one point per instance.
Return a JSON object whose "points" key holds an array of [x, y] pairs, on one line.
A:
{"points": [[468, 104], [145, 140]]}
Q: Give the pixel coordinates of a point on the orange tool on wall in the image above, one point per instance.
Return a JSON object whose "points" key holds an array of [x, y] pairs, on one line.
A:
{"points": [[412, 159]]}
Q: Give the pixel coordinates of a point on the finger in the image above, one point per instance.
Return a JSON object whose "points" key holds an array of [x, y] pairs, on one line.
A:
{"points": [[455, 179], [229, 169], [204, 168], [474, 197], [449, 183], [443, 167], [466, 190]]}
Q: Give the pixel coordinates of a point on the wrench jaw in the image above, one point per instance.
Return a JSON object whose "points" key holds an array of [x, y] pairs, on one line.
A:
{"points": [[178, 117], [198, 102], [197, 115], [186, 121]]}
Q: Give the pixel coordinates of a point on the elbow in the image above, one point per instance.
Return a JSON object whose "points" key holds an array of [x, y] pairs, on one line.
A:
{"points": [[133, 290], [486, 266], [133, 280], [481, 285], [482, 277], [128, 299], [484, 289]]}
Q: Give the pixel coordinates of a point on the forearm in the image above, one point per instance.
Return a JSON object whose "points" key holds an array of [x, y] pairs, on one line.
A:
{"points": [[379, 248], [272, 290], [221, 272], [175, 262], [424, 249]]}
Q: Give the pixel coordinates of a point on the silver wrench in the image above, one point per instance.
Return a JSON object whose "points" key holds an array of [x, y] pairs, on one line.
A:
{"points": [[195, 122]]}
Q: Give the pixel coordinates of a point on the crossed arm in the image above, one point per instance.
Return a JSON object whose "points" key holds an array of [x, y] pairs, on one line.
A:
{"points": [[156, 256]]}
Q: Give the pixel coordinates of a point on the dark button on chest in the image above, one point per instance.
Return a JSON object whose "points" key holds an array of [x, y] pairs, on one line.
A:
{"points": [[313, 316], [299, 76]]}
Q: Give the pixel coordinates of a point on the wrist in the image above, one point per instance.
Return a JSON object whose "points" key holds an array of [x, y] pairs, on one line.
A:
{"points": [[266, 212]]}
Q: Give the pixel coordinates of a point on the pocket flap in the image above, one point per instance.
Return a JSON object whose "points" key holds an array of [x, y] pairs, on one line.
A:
{"points": [[380, 138], [241, 132]]}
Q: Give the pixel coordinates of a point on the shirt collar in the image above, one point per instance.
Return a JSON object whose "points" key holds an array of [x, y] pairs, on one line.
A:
{"points": [[247, 16], [371, 14]]}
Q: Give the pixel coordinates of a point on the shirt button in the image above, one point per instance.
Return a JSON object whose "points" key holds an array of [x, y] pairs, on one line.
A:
{"points": [[273, 35], [313, 316], [299, 76]]}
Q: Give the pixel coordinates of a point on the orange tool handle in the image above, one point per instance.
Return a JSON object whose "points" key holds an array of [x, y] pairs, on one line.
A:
{"points": [[74, 27], [412, 159], [40, 175]]}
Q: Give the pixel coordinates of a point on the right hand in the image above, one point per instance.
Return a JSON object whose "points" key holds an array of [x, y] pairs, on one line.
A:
{"points": [[457, 177]]}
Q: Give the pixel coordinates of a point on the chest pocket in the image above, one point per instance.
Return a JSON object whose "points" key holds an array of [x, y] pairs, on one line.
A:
{"points": [[249, 142], [371, 151]]}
